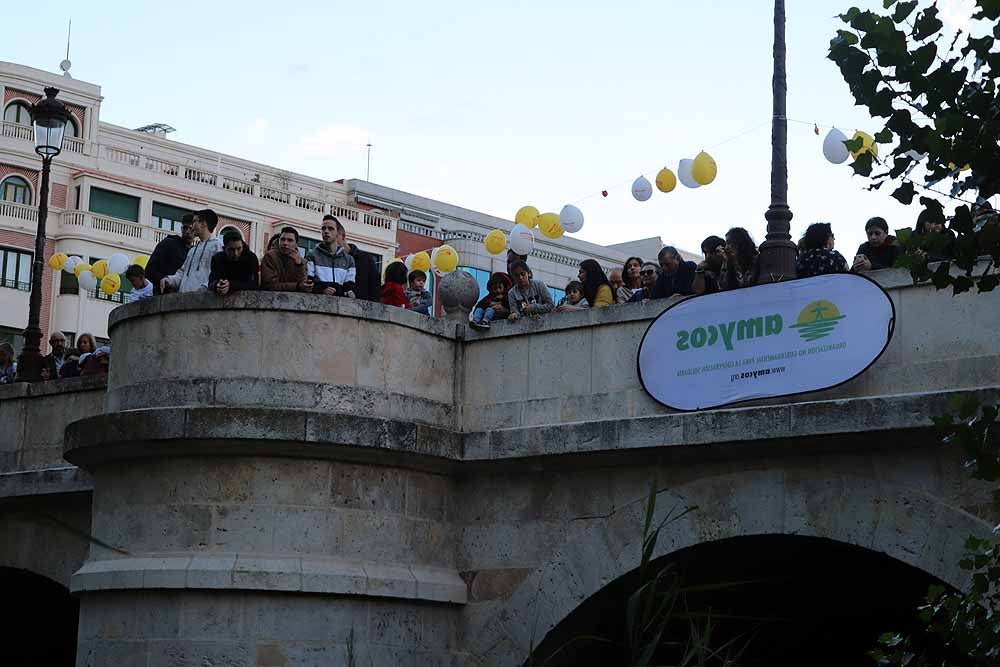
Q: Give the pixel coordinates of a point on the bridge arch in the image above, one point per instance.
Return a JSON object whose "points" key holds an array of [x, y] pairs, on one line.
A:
{"points": [[42, 620], [896, 523]]}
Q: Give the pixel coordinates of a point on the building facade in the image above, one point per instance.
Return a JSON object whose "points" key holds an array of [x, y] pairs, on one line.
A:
{"points": [[120, 190], [426, 223]]}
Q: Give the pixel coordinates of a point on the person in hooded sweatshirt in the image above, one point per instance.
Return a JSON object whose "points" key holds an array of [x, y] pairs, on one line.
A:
{"points": [[236, 268], [170, 253], [329, 265], [197, 267]]}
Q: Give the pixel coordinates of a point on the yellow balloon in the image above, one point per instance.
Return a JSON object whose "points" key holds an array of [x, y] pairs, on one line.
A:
{"points": [[495, 242], [704, 169], [665, 180], [80, 268], [965, 167], [110, 283], [548, 224], [57, 261], [446, 259], [100, 268], [421, 262], [526, 216], [141, 260], [868, 144]]}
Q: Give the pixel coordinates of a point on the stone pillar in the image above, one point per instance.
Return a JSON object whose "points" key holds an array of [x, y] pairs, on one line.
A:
{"points": [[459, 294], [297, 534]]}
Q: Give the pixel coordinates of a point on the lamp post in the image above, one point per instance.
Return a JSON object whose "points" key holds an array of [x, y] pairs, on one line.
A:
{"points": [[49, 117], [777, 253]]}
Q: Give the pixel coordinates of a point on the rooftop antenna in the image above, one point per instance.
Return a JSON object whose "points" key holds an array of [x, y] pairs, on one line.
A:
{"points": [[66, 64], [368, 175]]}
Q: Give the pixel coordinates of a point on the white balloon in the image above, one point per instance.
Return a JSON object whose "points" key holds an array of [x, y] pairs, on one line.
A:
{"points": [[642, 189], [521, 240], [409, 262], [834, 149], [71, 263], [118, 263], [88, 281], [684, 174], [571, 218]]}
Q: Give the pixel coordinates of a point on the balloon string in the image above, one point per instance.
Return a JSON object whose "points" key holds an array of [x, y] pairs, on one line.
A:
{"points": [[654, 171]]}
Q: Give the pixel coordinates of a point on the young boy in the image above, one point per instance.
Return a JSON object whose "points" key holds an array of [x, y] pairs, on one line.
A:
{"points": [[141, 288], [527, 296], [420, 300], [574, 296], [493, 305]]}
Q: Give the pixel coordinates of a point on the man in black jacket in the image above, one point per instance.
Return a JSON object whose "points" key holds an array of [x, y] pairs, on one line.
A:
{"points": [[235, 268], [169, 254], [676, 275], [367, 281]]}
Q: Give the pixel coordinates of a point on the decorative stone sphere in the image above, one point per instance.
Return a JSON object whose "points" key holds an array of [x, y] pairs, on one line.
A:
{"points": [[459, 293]]}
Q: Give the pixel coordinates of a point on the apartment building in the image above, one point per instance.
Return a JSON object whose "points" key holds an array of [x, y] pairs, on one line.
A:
{"points": [[115, 189]]}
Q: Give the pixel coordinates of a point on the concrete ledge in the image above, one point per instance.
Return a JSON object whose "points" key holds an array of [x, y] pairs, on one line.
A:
{"points": [[52, 388], [282, 301], [275, 393], [263, 573], [69, 479], [717, 428], [277, 432]]}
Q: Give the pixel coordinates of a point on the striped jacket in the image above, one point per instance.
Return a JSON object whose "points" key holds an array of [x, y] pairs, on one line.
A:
{"points": [[329, 269]]}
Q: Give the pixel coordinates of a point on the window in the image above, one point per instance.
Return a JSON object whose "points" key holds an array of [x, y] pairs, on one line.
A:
{"points": [[557, 294], [68, 283], [12, 336], [16, 266], [15, 189], [71, 129], [482, 277], [307, 244], [17, 112], [114, 204], [168, 217]]}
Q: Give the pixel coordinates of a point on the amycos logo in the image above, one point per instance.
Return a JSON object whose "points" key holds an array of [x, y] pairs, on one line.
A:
{"points": [[818, 320]]}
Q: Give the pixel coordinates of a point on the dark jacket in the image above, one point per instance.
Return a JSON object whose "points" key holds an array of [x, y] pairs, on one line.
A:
{"points": [[818, 262], [885, 255], [640, 295], [938, 247], [367, 281], [280, 273], [241, 274], [680, 281], [167, 257]]}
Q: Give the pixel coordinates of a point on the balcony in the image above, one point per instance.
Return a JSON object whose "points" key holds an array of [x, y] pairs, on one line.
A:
{"points": [[27, 133], [374, 224], [108, 226], [20, 212]]}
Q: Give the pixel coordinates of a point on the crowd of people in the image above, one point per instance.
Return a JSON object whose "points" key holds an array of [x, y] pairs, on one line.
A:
{"points": [[335, 267]]}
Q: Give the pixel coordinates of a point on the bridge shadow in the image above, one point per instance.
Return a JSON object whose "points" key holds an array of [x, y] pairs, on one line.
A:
{"points": [[793, 601]]}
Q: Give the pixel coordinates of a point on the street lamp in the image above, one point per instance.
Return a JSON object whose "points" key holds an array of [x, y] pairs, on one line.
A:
{"points": [[777, 253], [49, 116]]}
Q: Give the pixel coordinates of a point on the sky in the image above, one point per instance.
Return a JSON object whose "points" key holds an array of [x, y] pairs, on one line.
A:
{"points": [[493, 106]]}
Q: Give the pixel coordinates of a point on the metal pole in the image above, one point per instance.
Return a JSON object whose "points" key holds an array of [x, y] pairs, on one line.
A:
{"points": [[777, 253], [29, 364], [368, 173]]}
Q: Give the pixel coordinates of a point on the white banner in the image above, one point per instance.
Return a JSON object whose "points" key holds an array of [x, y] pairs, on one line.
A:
{"points": [[769, 340]]}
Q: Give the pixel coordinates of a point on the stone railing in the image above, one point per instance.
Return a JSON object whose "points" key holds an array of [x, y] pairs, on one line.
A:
{"points": [[20, 212], [18, 131], [386, 225], [112, 226]]}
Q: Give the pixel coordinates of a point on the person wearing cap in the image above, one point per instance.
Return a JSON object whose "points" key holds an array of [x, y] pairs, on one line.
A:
{"points": [[880, 251], [169, 254]]}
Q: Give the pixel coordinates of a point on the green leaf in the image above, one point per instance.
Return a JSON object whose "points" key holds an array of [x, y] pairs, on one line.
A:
{"points": [[854, 145], [904, 194], [961, 284], [941, 278], [903, 11], [923, 57], [884, 136], [967, 406], [903, 233], [927, 24], [849, 15], [862, 164], [888, 3], [843, 38], [988, 9], [987, 284]]}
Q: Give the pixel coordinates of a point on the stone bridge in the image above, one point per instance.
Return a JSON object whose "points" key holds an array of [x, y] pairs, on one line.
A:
{"points": [[285, 480]]}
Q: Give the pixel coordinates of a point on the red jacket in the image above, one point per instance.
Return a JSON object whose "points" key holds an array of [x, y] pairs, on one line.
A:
{"points": [[392, 295]]}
